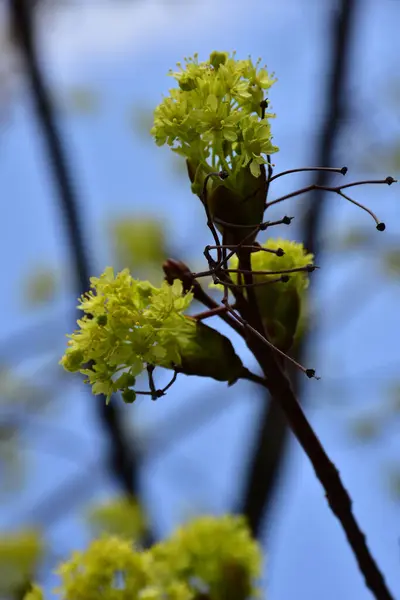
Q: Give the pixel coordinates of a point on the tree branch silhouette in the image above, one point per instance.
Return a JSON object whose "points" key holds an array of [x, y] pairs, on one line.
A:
{"points": [[122, 459]]}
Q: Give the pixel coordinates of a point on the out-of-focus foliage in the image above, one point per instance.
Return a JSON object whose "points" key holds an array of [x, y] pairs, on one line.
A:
{"points": [[12, 463], [21, 397], [141, 120], [391, 262], [366, 428], [20, 554], [212, 556], [41, 286], [351, 239], [138, 244], [122, 517], [393, 480], [80, 101]]}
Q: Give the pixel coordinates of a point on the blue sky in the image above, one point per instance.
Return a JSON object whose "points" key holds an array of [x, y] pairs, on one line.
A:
{"points": [[123, 53]]}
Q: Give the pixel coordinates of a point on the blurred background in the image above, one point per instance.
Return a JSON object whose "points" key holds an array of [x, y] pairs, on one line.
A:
{"points": [[78, 83]]}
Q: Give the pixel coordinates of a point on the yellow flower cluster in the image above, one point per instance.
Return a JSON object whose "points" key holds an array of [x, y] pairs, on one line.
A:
{"points": [[213, 117], [128, 324], [214, 556]]}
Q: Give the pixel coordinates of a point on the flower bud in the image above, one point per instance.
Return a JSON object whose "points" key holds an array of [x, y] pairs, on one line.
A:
{"points": [[218, 58]]}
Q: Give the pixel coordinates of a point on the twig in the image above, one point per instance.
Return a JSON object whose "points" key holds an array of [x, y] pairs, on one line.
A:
{"points": [[337, 495], [342, 170], [338, 190]]}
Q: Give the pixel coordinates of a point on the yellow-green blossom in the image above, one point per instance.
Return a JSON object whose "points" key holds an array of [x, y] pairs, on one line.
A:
{"points": [[133, 324], [108, 569], [212, 554], [218, 552], [122, 517], [130, 324], [212, 117]]}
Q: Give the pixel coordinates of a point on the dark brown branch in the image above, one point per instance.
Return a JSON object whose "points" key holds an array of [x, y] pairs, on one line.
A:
{"points": [[336, 494], [271, 443], [122, 460]]}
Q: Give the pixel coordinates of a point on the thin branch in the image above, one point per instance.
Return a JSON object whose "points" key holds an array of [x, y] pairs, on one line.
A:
{"points": [[338, 190], [273, 435], [342, 170], [337, 495]]}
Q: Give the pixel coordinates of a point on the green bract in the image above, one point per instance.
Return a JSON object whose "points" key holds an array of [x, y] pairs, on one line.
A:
{"points": [[280, 303]]}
